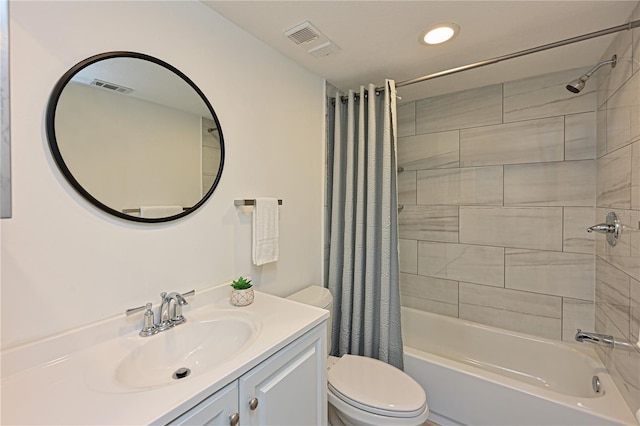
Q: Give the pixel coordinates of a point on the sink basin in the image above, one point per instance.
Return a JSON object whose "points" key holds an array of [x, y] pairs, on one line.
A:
{"points": [[185, 351]]}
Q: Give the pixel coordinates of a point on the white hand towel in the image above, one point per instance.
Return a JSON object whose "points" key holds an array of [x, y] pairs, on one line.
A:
{"points": [[265, 231], [154, 212]]}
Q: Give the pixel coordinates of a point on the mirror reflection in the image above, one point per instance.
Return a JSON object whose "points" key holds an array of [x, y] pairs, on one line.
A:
{"points": [[135, 136]]}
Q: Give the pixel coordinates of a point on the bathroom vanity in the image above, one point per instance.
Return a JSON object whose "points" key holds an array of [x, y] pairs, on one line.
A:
{"points": [[260, 364]]}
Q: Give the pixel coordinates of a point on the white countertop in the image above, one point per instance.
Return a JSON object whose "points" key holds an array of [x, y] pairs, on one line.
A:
{"points": [[66, 379]]}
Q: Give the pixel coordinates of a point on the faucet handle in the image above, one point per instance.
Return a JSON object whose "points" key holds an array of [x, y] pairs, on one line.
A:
{"points": [[132, 311], [189, 293], [149, 328]]}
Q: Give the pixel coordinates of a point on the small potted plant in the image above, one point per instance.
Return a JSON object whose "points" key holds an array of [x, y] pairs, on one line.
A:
{"points": [[242, 293]]}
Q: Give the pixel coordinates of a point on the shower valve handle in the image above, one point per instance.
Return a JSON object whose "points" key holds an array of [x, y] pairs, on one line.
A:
{"points": [[602, 228]]}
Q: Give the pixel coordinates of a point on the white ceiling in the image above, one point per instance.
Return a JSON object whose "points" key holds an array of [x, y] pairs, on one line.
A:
{"points": [[379, 39]]}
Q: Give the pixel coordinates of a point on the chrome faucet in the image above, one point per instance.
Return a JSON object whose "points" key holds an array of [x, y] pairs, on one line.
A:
{"points": [[170, 314], [168, 317], [602, 340], [612, 228]]}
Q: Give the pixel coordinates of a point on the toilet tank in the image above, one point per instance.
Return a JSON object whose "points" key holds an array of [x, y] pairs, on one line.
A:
{"points": [[319, 297]]}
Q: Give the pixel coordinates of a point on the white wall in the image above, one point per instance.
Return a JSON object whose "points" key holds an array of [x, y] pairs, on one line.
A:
{"points": [[64, 263]]}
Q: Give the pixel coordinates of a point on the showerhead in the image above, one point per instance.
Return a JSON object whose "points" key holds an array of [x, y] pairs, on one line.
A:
{"points": [[578, 84]]}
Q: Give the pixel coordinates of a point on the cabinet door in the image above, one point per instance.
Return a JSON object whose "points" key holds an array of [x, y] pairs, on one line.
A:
{"points": [[290, 387], [216, 410]]}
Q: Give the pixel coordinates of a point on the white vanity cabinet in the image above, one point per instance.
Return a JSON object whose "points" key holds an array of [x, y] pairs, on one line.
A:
{"points": [[220, 409], [288, 388]]}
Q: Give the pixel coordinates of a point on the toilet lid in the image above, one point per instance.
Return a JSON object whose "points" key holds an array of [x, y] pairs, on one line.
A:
{"points": [[376, 387]]}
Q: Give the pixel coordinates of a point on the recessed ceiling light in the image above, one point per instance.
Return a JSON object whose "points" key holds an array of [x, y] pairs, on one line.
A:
{"points": [[440, 33]]}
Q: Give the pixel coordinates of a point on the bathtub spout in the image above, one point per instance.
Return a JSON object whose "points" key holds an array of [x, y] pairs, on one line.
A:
{"points": [[602, 340]]}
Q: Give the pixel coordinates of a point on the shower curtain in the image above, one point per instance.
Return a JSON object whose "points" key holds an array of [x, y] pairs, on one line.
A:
{"points": [[362, 224]]}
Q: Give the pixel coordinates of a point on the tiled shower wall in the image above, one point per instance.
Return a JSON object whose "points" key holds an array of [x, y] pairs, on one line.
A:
{"points": [[499, 184], [618, 189]]}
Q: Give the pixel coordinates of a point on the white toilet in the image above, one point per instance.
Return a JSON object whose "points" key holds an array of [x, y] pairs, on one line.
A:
{"points": [[365, 391]]}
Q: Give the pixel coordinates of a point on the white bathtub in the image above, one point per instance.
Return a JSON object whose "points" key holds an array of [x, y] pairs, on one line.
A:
{"points": [[480, 375]]}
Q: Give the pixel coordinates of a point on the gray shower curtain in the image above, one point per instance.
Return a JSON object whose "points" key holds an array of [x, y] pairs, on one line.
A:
{"points": [[362, 225]]}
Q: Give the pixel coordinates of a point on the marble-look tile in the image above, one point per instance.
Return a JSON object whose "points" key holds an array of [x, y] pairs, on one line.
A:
{"points": [[628, 264], [548, 272], [603, 323], [635, 177], [470, 108], [636, 48], [580, 136], [576, 314], [461, 262], [634, 238], [531, 141], [430, 223], [575, 237], [635, 310], [627, 95], [635, 325], [407, 182], [429, 294], [626, 254], [429, 151], [546, 96], [472, 185], [620, 317], [635, 123], [612, 285], [536, 314], [618, 127], [406, 119], [408, 250], [609, 79], [568, 183], [625, 370], [523, 227], [614, 179], [601, 131]]}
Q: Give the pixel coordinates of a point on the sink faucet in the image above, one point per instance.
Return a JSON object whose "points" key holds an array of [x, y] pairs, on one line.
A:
{"points": [[169, 317], [170, 313]]}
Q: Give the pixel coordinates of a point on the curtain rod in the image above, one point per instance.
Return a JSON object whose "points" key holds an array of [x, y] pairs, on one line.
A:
{"points": [[607, 31]]}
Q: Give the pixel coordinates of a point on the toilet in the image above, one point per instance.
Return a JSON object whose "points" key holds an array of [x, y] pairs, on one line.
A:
{"points": [[365, 391]]}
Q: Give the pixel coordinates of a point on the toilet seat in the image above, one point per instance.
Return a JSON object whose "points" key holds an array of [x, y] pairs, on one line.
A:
{"points": [[376, 387]]}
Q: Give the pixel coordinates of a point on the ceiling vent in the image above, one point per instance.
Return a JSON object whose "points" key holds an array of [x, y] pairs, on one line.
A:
{"points": [[303, 33], [308, 36], [110, 86]]}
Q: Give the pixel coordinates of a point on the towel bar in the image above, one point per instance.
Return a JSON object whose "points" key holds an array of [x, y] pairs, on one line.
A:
{"points": [[138, 210], [246, 202]]}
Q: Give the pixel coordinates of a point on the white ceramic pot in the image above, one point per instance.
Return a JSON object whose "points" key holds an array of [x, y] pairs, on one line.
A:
{"points": [[242, 297]]}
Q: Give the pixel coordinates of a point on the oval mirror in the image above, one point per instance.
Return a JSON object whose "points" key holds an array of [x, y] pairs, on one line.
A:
{"points": [[135, 137]]}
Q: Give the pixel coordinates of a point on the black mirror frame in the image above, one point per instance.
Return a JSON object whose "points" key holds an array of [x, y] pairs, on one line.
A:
{"points": [[62, 166]]}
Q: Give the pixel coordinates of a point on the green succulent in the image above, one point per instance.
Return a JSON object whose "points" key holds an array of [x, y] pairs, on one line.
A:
{"points": [[241, 284]]}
